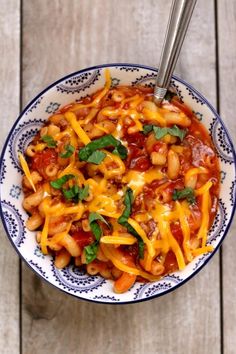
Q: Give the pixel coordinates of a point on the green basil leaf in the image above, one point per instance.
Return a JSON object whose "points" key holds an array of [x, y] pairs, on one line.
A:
{"points": [[71, 193], [51, 143], [121, 151], [91, 252], [69, 149], [141, 249], [160, 132], [95, 216], [128, 200], [96, 230], [96, 157], [104, 141], [129, 228], [95, 227], [83, 192], [123, 219], [58, 183], [147, 128], [176, 131], [186, 193], [169, 95], [75, 193]]}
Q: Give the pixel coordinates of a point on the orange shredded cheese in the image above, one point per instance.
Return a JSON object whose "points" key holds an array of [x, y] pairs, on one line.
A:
{"points": [[26, 170]]}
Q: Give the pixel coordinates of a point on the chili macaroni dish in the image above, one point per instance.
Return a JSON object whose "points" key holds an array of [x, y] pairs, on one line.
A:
{"points": [[121, 187]]}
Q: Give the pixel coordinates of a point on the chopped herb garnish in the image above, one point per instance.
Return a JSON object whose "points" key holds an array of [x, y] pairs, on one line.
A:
{"points": [[123, 220], [121, 151], [176, 131], [91, 250], [95, 227], [84, 192], [69, 149], [48, 139], [71, 193], [147, 128], [186, 193], [58, 183], [161, 132], [105, 141], [75, 193], [96, 157], [141, 248]]}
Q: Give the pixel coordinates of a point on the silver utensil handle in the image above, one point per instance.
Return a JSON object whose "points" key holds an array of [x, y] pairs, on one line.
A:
{"points": [[181, 13]]}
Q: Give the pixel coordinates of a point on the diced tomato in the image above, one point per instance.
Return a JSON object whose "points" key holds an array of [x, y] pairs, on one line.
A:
{"points": [[157, 146], [137, 138], [83, 238], [134, 151], [128, 254], [133, 250], [42, 159], [141, 163], [170, 264], [183, 107], [177, 232]]}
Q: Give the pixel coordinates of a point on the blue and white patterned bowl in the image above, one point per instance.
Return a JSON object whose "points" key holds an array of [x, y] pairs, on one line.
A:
{"points": [[72, 88]]}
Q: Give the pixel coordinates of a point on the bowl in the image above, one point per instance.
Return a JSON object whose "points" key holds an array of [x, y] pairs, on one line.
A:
{"points": [[66, 90]]}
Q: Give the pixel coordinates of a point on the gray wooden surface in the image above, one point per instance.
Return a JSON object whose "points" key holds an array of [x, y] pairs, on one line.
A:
{"points": [[9, 103], [58, 37], [227, 79]]}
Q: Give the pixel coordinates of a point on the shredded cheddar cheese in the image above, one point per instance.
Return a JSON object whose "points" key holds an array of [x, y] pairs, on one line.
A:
{"points": [[143, 235], [125, 268], [194, 171], [202, 233], [112, 171], [99, 97], [26, 170], [118, 240], [181, 209], [39, 147], [71, 117], [154, 116], [136, 180], [202, 250]]}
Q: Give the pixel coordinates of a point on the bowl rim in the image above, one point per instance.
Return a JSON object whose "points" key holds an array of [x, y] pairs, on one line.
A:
{"points": [[141, 66]]}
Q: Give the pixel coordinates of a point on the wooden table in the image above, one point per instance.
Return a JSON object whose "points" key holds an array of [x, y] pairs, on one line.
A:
{"points": [[41, 41]]}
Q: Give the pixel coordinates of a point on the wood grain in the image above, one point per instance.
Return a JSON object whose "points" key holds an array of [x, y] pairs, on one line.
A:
{"points": [[227, 76], [68, 36], [9, 103]]}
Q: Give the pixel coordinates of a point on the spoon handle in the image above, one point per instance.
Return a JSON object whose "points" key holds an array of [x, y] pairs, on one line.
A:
{"points": [[180, 15]]}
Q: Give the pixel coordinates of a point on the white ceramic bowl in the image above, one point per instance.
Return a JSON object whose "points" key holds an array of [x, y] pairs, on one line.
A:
{"points": [[72, 88]]}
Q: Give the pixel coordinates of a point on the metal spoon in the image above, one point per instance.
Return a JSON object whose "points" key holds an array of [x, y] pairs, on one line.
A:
{"points": [[180, 15]]}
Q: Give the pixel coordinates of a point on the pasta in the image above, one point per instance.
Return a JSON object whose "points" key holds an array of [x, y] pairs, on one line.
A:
{"points": [[121, 187]]}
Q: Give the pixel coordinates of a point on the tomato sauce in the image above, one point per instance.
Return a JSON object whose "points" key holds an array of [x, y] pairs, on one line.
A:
{"points": [[43, 159], [83, 238]]}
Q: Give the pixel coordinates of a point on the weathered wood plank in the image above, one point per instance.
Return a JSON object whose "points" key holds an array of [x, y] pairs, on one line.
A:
{"points": [[227, 75], [70, 36], [9, 103]]}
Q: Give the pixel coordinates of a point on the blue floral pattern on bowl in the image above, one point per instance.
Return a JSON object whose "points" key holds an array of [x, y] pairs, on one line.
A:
{"points": [[72, 88]]}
